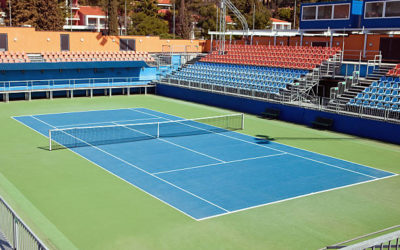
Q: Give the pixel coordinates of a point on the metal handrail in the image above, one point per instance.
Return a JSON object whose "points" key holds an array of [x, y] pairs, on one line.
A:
{"points": [[16, 231]]}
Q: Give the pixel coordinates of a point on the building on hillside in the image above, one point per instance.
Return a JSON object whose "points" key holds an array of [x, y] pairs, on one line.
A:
{"points": [[86, 18], [165, 6], [277, 24]]}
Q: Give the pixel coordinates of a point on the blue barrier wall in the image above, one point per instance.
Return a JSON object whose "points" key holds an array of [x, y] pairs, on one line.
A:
{"points": [[77, 70], [353, 21], [349, 68], [373, 129]]}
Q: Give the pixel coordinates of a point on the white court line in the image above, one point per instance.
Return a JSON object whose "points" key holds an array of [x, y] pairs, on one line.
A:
{"points": [[279, 144], [94, 123], [306, 158], [140, 169], [177, 145], [119, 177], [81, 111], [292, 198], [215, 164]]}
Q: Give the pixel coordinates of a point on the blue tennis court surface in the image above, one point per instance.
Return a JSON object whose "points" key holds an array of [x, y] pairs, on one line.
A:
{"points": [[207, 174]]}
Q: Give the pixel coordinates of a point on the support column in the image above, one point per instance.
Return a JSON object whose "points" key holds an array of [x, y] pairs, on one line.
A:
{"points": [[275, 40], [26, 96], [123, 91], [211, 43], [128, 91], [110, 92], [7, 97], [301, 39], [331, 41], [87, 92], [91, 93], [365, 44], [47, 94], [105, 92], [51, 95], [145, 90], [72, 94]]}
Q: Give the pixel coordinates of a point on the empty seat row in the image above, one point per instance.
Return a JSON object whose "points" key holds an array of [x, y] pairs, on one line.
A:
{"points": [[89, 56], [382, 94]]}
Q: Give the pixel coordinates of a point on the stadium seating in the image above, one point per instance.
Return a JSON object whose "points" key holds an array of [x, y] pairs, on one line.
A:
{"points": [[382, 94], [89, 56], [258, 78], [13, 57], [395, 72], [294, 57]]}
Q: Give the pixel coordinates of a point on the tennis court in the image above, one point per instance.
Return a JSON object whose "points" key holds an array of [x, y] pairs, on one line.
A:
{"points": [[200, 167]]}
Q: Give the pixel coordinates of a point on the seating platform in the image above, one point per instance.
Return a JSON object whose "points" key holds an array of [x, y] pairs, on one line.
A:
{"points": [[381, 95], [295, 57], [259, 78]]}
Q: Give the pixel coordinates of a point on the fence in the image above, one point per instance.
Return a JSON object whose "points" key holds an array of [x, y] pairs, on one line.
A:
{"points": [[387, 241], [17, 233]]}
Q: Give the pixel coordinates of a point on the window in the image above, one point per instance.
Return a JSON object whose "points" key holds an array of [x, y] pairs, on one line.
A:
{"points": [[3, 42], [278, 26], [374, 9], [309, 12], [392, 9], [325, 12], [127, 44], [64, 40], [341, 11], [92, 21]]}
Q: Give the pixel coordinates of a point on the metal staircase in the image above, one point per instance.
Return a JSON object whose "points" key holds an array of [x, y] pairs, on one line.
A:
{"points": [[363, 83]]}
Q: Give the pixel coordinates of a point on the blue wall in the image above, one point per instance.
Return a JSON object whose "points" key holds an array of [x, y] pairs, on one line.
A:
{"points": [[379, 22], [76, 70], [354, 20], [345, 124], [351, 67]]}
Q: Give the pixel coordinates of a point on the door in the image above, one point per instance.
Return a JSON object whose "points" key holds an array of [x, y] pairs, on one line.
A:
{"points": [[3, 42], [64, 39], [390, 48]]}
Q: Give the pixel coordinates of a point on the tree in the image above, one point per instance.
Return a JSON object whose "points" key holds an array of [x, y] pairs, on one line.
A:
{"points": [[147, 25], [50, 15], [246, 7], [112, 11], [183, 27], [145, 20], [40, 14]]}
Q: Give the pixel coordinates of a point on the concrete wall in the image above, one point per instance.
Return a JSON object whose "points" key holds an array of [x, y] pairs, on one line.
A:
{"points": [[31, 41]]}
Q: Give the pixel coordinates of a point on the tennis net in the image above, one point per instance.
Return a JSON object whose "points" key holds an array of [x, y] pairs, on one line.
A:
{"points": [[121, 133]]}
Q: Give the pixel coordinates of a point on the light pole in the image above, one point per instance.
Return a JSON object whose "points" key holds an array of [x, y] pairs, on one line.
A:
{"points": [[126, 29]]}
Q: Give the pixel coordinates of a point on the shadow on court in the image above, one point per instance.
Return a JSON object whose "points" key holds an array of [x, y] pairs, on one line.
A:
{"points": [[265, 139]]}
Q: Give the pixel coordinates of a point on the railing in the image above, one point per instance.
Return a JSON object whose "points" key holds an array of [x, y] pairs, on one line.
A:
{"points": [[17, 233], [32, 85], [374, 63], [387, 241], [288, 97]]}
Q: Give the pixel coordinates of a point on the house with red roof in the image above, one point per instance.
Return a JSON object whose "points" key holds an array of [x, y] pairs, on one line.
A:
{"points": [[277, 24], [165, 6], [86, 18]]}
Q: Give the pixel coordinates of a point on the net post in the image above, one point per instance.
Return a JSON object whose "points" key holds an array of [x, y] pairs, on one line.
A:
{"points": [[242, 121], [49, 140], [158, 130]]}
